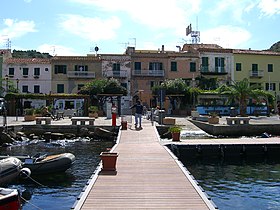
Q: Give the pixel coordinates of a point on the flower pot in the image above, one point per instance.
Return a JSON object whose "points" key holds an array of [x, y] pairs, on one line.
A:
{"points": [[176, 136], [213, 120], [124, 125], [109, 160], [29, 117]]}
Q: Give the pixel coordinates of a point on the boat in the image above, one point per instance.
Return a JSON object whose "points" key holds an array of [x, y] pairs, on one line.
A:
{"points": [[9, 199], [10, 168], [46, 164]]}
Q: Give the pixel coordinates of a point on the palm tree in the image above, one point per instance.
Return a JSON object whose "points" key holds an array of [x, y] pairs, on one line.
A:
{"points": [[241, 91]]}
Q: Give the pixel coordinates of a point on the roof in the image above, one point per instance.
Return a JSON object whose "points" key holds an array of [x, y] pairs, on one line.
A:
{"points": [[27, 61], [255, 52]]}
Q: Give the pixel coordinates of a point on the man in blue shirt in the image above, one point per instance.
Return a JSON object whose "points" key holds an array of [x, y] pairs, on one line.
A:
{"points": [[138, 113]]}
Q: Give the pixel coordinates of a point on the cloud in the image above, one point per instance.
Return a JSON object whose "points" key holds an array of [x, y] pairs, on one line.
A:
{"points": [[57, 50], [226, 36], [269, 7], [16, 29], [155, 14], [92, 29]]}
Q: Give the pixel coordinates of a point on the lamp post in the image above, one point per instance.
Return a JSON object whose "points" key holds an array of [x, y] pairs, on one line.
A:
{"points": [[17, 80]]}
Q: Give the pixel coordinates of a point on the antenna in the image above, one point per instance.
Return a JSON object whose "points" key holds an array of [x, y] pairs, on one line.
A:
{"points": [[195, 35], [95, 49]]}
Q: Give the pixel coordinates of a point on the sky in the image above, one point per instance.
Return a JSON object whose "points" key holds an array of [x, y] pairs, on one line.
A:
{"points": [[76, 27]]}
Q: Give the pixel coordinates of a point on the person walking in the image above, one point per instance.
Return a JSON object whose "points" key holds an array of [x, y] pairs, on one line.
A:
{"points": [[138, 114]]}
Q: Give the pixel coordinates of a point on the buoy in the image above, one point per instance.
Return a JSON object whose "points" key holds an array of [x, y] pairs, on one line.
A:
{"points": [[25, 173]]}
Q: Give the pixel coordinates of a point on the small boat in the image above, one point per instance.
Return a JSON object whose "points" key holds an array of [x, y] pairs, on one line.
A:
{"points": [[46, 164], [9, 199], [10, 168]]}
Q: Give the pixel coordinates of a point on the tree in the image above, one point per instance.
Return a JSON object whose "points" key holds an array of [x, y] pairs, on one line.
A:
{"points": [[241, 92], [101, 89]]}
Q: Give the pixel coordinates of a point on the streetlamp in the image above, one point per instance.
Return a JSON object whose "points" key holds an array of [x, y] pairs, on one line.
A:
{"points": [[17, 84], [17, 80], [7, 80]]}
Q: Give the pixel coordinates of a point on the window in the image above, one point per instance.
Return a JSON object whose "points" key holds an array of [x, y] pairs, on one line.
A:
{"points": [[270, 86], [81, 68], [204, 65], [25, 88], [36, 88], [36, 71], [11, 71], [192, 67], [60, 88], [219, 64], [173, 66], [155, 66], [60, 69], [25, 72], [152, 84], [116, 67], [238, 66], [254, 67], [46, 69], [137, 66], [270, 67]]}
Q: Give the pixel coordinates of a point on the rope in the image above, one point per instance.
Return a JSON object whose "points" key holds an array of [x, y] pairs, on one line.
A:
{"points": [[30, 203], [36, 182]]}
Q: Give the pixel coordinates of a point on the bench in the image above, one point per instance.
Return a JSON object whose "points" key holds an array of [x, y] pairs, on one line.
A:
{"points": [[82, 120], [169, 121], [46, 119], [238, 120]]}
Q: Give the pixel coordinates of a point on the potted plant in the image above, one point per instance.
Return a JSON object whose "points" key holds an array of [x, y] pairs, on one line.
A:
{"points": [[29, 114], [213, 118], [175, 132], [93, 111], [109, 160], [38, 112]]}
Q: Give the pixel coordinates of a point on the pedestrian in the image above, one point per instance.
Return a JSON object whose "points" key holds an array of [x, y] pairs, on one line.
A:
{"points": [[138, 114]]}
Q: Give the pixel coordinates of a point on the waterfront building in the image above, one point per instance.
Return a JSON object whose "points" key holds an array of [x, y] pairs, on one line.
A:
{"points": [[261, 67]]}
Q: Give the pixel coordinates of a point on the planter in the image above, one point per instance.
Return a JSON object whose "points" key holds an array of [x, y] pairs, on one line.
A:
{"points": [[213, 120], [95, 115], [124, 125], [176, 136], [109, 160], [29, 117]]}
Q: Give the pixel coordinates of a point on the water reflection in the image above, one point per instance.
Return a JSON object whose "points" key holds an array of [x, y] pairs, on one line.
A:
{"points": [[240, 184], [58, 191]]}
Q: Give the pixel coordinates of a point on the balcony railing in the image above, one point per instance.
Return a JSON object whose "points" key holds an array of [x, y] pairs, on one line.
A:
{"points": [[259, 73], [111, 73], [148, 73], [213, 71], [80, 74]]}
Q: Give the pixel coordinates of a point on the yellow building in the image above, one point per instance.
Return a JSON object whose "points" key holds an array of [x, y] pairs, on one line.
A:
{"points": [[260, 67]]}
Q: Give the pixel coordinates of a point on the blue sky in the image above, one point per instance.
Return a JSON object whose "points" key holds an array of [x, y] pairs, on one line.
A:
{"points": [[75, 27]]}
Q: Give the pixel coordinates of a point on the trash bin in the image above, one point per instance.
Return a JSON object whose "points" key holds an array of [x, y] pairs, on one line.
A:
{"points": [[233, 112], [161, 116]]}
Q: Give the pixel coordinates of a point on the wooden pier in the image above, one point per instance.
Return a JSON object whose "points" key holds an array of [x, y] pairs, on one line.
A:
{"points": [[148, 177]]}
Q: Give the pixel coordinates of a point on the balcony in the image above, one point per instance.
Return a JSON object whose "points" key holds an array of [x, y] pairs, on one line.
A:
{"points": [[256, 74], [80, 74], [148, 73], [118, 74], [217, 70]]}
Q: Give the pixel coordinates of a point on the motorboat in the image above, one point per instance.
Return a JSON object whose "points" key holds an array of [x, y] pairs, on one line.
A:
{"points": [[9, 199], [10, 168], [46, 164]]}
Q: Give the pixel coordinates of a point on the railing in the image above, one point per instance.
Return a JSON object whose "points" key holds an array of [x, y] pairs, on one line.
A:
{"points": [[259, 73], [80, 74], [215, 70], [151, 73], [111, 73]]}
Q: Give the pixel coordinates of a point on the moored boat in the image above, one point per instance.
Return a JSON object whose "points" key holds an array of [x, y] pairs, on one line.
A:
{"points": [[46, 164], [10, 168], [9, 199]]}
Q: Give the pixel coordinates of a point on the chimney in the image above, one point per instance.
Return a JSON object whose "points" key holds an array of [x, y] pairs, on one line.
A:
{"points": [[162, 48]]}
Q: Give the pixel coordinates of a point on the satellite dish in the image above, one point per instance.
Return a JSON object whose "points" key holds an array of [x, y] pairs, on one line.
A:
{"points": [[96, 49]]}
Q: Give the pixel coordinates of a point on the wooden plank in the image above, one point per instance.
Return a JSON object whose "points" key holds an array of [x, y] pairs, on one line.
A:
{"points": [[147, 177]]}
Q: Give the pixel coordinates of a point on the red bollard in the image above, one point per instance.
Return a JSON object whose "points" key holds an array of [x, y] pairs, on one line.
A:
{"points": [[114, 115], [114, 119]]}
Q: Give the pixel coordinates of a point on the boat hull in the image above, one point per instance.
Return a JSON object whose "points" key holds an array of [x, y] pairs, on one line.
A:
{"points": [[50, 164], [9, 199], [10, 168]]}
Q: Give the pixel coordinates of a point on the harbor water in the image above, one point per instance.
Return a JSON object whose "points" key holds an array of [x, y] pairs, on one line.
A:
{"points": [[58, 191]]}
